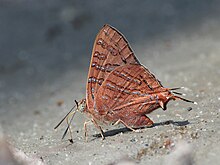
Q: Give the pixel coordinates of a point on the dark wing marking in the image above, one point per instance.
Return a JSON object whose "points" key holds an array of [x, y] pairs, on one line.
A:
{"points": [[110, 51], [127, 85]]}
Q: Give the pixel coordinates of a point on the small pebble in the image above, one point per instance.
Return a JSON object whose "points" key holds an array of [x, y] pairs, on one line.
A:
{"points": [[133, 140], [189, 109]]}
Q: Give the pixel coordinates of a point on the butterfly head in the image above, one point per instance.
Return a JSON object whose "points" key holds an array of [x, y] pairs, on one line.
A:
{"points": [[81, 105]]}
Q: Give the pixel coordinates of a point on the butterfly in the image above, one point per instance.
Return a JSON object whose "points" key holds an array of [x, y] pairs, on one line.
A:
{"points": [[119, 88]]}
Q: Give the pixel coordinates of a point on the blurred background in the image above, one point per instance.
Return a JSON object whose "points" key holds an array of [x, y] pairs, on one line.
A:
{"points": [[41, 41], [45, 50]]}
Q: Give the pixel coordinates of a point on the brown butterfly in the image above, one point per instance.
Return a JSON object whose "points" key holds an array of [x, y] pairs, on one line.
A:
{"points": [[119, 89]]}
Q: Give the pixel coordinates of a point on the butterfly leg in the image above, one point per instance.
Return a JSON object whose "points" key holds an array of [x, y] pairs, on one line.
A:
{"points": [[85, 129], [68, 128], [100, 128], [136, 122], [126, 125]]}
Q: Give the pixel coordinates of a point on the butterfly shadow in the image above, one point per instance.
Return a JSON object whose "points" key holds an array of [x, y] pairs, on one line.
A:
{"points": [[124, 129]]}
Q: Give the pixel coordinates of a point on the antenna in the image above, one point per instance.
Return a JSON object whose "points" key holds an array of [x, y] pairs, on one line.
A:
{"points": [[65, 117]]}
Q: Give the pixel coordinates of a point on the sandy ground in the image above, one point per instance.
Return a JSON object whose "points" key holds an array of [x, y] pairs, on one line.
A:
{"points": [[45, 49]]}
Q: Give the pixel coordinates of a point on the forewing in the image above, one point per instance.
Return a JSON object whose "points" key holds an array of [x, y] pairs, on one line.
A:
{"points": [[124, 84], [110, 51]]}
